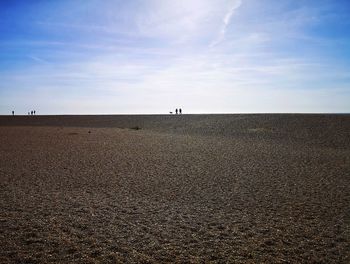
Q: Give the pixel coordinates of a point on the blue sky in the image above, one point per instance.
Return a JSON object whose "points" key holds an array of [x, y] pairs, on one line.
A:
{"points": [[151, 56]]}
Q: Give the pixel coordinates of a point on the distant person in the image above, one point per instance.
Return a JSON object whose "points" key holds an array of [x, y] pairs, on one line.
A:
{"points": [[13, 113], [176, 111], [180, 111], [34, 112], [31, 112]]}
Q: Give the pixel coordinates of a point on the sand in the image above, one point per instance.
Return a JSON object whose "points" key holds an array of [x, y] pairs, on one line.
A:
{"points": [[187, 189]]}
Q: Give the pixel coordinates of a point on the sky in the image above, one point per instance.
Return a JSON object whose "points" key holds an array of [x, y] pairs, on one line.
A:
{"points": [[152, 56]]}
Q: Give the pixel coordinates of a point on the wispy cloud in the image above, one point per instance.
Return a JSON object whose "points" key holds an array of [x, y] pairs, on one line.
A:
{"points": [[37, 59], [226, 22]]}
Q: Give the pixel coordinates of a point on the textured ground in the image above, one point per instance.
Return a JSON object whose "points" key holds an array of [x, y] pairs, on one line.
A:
{"points": [[201, 188]]}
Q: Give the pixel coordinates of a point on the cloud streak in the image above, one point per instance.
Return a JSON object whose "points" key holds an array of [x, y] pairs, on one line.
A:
{"points": [[226, 22]]}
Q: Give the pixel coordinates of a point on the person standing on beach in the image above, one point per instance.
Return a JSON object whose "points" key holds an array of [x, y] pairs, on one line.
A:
{"points": [[180, 111], [176, 111], [34, 112], [31, 112], [13, 113]]}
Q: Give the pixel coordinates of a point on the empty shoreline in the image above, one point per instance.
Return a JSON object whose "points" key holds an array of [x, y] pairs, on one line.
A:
{"points": [[190, 188]]}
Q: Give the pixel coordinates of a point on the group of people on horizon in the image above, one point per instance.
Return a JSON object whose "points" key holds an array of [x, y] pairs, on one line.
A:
{"points": [[177, 111], [29, 113]]}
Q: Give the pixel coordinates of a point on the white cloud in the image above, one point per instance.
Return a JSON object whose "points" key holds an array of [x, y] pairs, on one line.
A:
{"points": [[226, 22], [184, 20]]}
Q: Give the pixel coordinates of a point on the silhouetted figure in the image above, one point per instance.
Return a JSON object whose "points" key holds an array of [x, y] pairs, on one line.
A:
{"points": [[31, 112], [34, 112], [13, 113], [180, 111], [176, 110]]}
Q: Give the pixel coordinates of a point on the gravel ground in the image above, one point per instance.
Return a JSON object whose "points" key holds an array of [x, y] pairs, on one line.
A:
{"points": [[189, 189]]}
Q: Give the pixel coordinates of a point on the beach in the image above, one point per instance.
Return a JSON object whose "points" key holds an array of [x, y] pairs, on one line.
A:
{"points": [[268, 188]]}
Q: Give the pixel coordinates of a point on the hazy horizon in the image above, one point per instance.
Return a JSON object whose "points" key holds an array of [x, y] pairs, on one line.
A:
{"points": [[17, 113], [150, 57]]}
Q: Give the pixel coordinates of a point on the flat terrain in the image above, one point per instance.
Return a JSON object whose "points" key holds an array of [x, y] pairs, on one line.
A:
{"points": [[191, 188]]}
